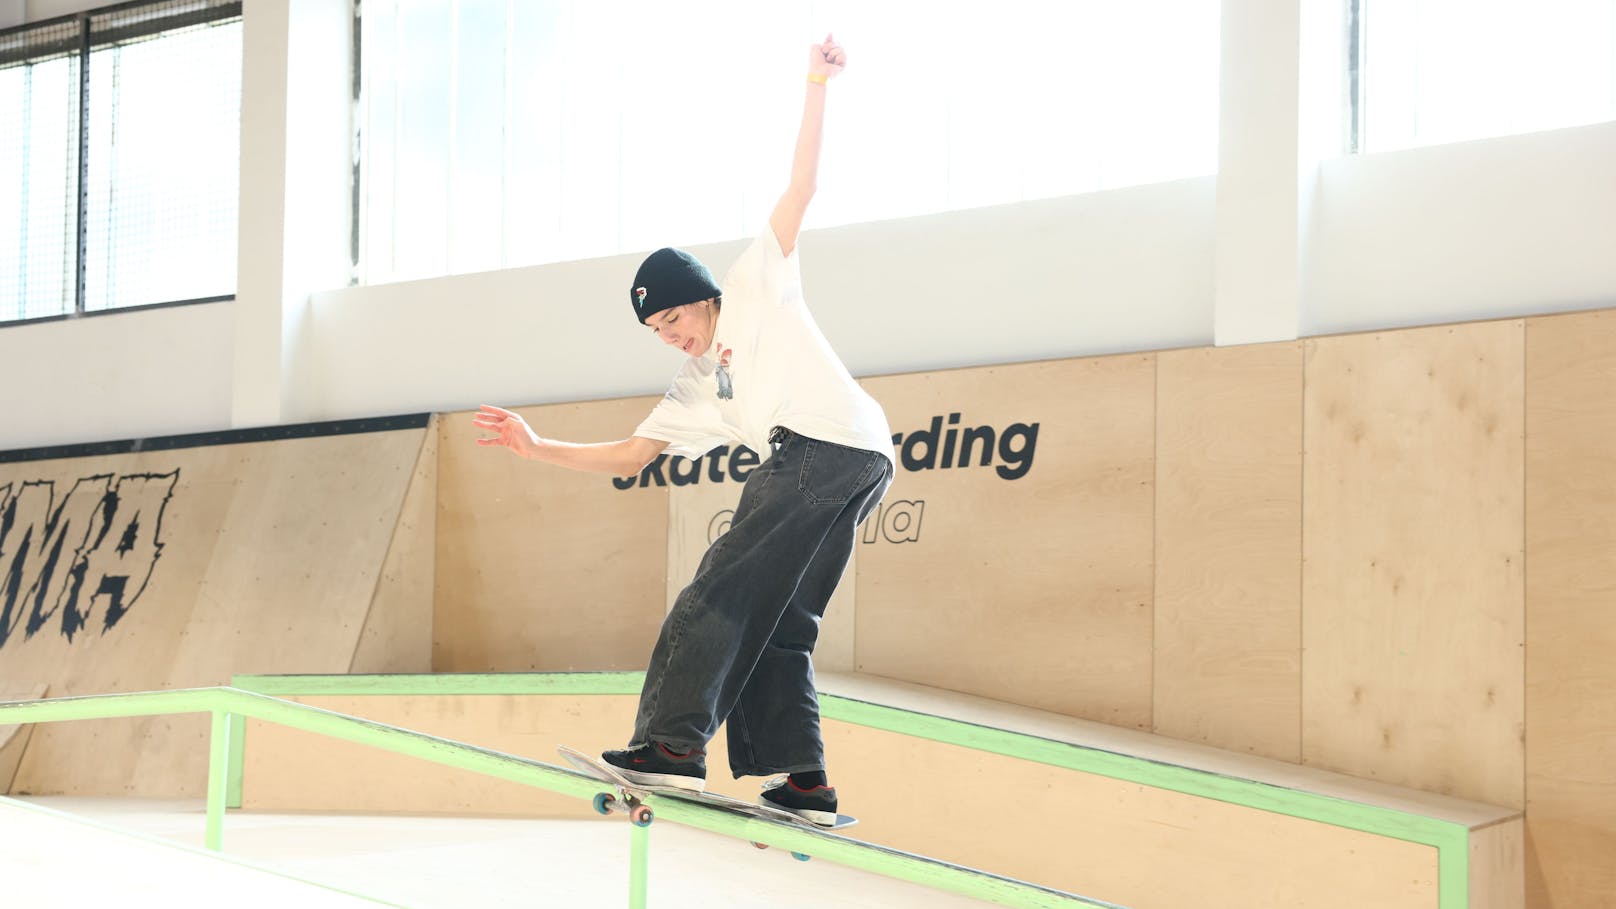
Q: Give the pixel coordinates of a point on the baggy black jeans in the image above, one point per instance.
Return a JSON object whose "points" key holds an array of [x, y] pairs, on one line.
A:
{"points": [[738, 643]]}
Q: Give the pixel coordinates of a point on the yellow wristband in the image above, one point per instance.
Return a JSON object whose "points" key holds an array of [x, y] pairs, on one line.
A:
{"points": [[818, 78]]}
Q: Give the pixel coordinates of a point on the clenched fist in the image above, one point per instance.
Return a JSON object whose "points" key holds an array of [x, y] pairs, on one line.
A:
{"points": [[826, 59]]}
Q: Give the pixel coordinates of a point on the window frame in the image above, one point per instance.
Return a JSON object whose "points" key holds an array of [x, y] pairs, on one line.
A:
{"points": [[82, 45]]}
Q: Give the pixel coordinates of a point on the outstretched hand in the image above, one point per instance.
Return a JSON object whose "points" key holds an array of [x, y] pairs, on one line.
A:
{"points": [[509, 429], [826, 59]]}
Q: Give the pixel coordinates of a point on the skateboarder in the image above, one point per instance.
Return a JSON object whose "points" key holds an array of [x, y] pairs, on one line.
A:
{"points": [[736, 648]]}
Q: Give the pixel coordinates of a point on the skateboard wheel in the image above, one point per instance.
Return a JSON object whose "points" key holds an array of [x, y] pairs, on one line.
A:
{"points": [[603, 802], [641, 816], [761, 845], [800, 857]]}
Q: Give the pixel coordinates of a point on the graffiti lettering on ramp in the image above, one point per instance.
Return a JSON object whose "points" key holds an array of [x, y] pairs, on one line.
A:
{"points": [[92, 551]]}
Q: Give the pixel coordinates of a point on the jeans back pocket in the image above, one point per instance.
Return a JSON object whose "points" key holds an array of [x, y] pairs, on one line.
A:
{"points": [[832, 474]]}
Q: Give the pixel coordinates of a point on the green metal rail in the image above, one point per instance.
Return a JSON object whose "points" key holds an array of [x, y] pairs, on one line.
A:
{"points": [[1450, 840], [229, 705]]}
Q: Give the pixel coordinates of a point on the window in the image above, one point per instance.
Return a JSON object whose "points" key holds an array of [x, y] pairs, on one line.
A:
{"points": [[1437, 71], [130, 198], [496, 134], [39, 101]]}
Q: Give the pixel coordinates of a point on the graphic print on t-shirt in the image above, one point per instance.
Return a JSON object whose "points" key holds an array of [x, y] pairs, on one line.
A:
{"points": [[726, 386]]}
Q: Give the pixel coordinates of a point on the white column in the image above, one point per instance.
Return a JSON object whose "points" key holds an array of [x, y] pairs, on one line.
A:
{"points": [[1281, 112], [296, 168]]}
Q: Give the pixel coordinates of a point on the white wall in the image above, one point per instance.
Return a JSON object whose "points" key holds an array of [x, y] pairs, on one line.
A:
{"points": [[119, 376], [1113, 271], [1497, 227]]}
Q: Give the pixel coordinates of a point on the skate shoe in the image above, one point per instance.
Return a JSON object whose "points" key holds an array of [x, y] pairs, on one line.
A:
{"points": [[817, 803], [658, 765]]}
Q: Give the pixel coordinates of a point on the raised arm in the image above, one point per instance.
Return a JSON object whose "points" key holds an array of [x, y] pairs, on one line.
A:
{"points": [[622, 458], [825, 61]]}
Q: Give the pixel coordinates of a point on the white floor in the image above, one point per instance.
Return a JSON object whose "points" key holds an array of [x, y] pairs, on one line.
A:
{"points": [[428, 863]]}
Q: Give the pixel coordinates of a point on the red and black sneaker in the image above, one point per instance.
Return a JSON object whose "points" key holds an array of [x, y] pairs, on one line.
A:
{"points": [[658, 765], [816, 803]]}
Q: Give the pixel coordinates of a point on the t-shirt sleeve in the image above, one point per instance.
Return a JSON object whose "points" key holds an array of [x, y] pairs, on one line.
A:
{"points": [[688, 429], [764, 272]]}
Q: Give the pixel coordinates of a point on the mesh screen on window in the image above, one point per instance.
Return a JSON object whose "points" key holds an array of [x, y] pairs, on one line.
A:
{"points": [[150, 216], [39, 145]]}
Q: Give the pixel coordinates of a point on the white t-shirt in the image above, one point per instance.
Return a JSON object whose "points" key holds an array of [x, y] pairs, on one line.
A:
{"points": [[782, 371]]}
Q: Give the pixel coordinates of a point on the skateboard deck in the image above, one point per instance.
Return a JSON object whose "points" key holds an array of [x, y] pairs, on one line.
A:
{"points": [[629, 796]]}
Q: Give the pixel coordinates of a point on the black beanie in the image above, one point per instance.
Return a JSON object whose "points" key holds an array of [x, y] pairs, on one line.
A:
{"points": [[669, 278]]}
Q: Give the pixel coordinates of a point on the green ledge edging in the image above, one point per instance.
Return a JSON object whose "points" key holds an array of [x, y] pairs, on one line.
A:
{"points": [[1451, 840], [1202, 783]]}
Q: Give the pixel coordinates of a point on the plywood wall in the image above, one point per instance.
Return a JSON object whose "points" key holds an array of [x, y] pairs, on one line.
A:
{"points": [[397, 633], [1228, 523], [1027, 578], [1571, 610], [246, 558], [542, 568], [1413, 557]]}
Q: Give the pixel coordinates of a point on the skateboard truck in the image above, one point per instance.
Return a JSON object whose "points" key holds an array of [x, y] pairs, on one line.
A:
{"points": [[639, 814]]}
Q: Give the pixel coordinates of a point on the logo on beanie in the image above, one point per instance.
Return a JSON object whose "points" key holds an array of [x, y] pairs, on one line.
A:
{"points": [[640, 293]]}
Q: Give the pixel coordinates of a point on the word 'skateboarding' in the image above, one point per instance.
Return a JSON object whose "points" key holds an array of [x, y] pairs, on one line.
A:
{"points": [[629, 798]]}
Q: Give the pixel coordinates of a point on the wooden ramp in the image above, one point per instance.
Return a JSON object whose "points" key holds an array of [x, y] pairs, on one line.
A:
{"points": [[181, 566], [1137, 845]]}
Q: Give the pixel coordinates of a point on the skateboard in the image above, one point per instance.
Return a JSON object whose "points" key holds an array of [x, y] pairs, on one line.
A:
{"points": [[629, 798]]}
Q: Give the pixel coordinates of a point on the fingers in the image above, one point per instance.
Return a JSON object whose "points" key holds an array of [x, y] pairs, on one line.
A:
{"points": [[498, 420], [490, 417], [831, 51]]}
